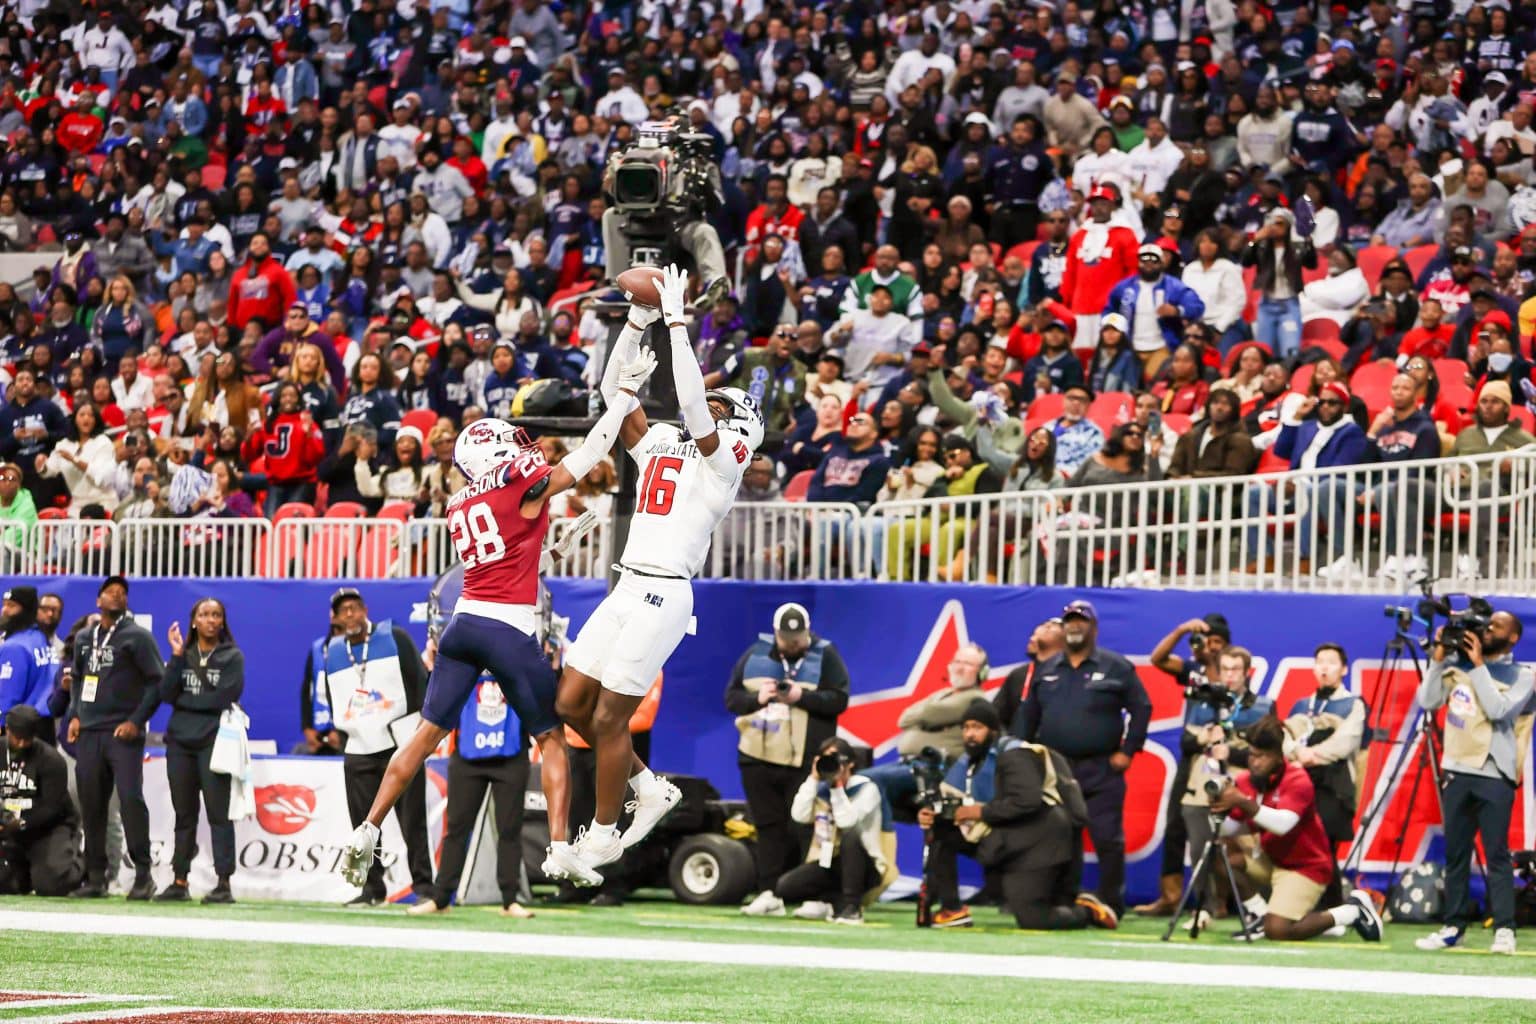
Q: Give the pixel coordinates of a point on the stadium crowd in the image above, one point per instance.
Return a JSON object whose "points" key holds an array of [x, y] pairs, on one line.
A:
{"points": [[285, 246]]}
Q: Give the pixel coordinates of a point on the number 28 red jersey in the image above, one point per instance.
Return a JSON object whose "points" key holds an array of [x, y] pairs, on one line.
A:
{"points": [[500, 549]]}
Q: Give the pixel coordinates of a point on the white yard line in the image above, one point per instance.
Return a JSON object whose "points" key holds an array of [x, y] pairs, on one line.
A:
{"points": [[724, 955]]}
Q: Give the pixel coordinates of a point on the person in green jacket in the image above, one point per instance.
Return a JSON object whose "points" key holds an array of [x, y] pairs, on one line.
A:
{"points": [[964, 475], [1006, 439], [17, 514], [772, 375]]}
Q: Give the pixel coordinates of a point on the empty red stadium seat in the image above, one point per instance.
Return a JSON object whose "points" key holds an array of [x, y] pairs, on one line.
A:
{"points": [[1024, 251], [397, 510], [422, 419], [1418, 259], [798, 485], [1320, 328], [1372, 383], [346, 510], [53, 513], [1176, 422], [1371, 260]]}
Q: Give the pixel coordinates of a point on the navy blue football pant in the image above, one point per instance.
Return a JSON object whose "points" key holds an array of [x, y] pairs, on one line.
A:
{"points": [[104, 763], [473, 644], [1477, 805], [1104, 793]]}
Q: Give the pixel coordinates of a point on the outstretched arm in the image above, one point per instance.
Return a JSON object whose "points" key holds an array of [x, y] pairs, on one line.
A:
{"points": [[685, 369], [599, 440], [626, 347]]}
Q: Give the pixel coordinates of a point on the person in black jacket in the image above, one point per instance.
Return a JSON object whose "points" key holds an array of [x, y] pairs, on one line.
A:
{"points": [[1089, 704], [40, 838], [115, 688], [202, 679], [1021, 816]]}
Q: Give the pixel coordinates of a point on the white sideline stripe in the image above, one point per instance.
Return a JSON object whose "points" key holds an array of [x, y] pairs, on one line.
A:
{"points": [[717, 955]]}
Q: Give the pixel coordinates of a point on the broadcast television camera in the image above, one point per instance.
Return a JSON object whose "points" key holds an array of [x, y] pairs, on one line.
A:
{"points": [[665, 167], [1474, 618]]}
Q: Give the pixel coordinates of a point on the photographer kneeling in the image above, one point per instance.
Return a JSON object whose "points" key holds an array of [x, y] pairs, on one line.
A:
{"points": [[852, 845], [1014, 807], [1292, 857], [39, 829], [1473, 671]]}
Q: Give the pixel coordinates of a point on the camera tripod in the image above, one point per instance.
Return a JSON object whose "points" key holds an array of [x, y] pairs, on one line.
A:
{"points": [[1214, 850], [1401, 645]]}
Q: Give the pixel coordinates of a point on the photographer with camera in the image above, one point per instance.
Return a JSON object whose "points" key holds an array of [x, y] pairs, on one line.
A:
{"points": [[39, 829], [1208, 637], [661, 192], [853, 848], [1015, 808], [786, 690], [1286, 850], [1473, 674], [1217, 717], [1328, 734], [1089, 704]]}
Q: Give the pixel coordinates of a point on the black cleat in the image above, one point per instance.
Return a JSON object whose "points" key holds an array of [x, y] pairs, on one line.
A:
{"points": [[176, 892]]}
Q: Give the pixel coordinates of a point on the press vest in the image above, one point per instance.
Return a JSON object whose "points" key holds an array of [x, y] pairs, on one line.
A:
{"points": [[775, 732], [366, 691]]}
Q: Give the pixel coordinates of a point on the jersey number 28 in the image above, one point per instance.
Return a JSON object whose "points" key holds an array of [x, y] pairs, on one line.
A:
{"points": [[476, 537], [658, 488]]}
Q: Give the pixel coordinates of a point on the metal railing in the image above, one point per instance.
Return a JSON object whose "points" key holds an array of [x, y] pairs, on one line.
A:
{"points": [[1376, 528]]}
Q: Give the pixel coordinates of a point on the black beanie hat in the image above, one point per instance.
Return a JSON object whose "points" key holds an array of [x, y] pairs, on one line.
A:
{"points": [[981, 710]]}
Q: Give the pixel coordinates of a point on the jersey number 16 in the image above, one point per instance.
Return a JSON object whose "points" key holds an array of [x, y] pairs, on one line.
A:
{"points": [[476, 537], [658, 488]]}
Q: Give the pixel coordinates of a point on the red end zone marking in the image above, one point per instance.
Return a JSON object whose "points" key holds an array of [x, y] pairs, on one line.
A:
{"points": [[13, 999], [232, 1016]]}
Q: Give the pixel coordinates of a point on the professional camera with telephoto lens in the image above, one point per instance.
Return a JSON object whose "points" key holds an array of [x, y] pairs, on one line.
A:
{"points": [[927, 768], [665, 166], [1212, 694], [782, 687], [1474, 618], [828, 765]]}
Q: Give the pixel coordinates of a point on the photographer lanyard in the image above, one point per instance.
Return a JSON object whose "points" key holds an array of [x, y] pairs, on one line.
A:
{"points": [[791, 672], [100, 644], [361, 668]]}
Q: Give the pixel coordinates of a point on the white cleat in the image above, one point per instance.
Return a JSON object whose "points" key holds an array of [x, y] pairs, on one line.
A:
{"points": [[649, 809], [566, 865], [594, 851], [814, 910], [425, 908], [1503, 942], [358, 857], [766, 904]]}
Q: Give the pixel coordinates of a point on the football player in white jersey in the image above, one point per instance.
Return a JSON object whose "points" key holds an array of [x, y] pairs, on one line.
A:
{"points": [[688, 481]]}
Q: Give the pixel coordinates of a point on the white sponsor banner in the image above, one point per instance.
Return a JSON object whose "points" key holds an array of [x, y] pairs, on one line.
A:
{"points": [[291, 847]]}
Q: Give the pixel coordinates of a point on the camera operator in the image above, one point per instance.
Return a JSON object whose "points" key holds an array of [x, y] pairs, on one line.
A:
{"points": [[1273, 801], [1208, 636], [1216, 720], [1014, 807], [787, 690], [39, 829], [852, 845], [1328, 730], [1045, 643], [1089, 704], [673, 208], [1472, 672]]}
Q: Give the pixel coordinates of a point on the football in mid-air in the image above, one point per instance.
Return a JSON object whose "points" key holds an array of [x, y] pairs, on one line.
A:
{"points": [[641, 285]]}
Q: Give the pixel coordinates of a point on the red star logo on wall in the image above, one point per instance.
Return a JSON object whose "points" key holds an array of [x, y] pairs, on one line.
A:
{"points": [[871, 717]]}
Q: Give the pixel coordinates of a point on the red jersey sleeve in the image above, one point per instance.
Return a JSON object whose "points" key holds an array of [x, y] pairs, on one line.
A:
{"points": [[1294, 794]]}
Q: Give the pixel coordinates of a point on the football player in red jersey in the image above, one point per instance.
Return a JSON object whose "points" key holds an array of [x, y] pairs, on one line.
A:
{"points": [[498, 524]]}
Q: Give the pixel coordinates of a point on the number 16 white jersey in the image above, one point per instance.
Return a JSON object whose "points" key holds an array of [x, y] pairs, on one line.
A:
{"points": [[681, 498]]}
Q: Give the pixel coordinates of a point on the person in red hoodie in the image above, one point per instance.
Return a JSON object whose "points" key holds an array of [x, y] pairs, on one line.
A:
{"points": [[80, 130], [1099, 256], [293, 446], [264, 108], [1432, 338], [469, 165], [260, 288]]}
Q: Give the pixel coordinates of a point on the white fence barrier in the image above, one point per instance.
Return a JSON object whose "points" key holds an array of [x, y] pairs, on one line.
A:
{"points": [[1371, 528]]}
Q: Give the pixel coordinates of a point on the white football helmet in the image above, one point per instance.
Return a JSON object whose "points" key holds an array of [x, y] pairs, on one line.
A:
{"points": [[486, 444], [745, 418]]}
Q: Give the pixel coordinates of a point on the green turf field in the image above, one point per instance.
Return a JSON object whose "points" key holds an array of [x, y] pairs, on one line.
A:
{"points": [[250, 962]]}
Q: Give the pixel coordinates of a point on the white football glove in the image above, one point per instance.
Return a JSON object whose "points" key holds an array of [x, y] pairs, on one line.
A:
{"points": [[643, 316], [674, 293], [578, 529], [358, 857], [635, 373]]}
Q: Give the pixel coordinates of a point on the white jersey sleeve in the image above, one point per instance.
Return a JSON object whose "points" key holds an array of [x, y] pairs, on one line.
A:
{"points": [[681, 498]]}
